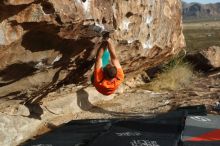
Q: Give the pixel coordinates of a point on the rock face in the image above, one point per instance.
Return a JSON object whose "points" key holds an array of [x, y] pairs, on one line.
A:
{"points": [[45, 44]]}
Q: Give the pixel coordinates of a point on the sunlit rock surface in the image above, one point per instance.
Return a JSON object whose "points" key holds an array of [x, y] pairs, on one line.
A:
{"points": [[212, 54], [45, 44]]}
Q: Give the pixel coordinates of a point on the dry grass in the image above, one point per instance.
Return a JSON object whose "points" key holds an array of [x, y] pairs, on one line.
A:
{"points": [[176, 75]]}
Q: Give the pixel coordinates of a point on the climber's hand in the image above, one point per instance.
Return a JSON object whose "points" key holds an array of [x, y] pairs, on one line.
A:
{"points": [[105, 35]]}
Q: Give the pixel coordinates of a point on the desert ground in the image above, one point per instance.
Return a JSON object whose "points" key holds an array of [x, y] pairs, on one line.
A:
{"points": [[201, 34]]}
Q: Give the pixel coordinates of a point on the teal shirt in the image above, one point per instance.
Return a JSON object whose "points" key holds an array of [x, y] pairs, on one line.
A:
{"points": [[105, 58]]}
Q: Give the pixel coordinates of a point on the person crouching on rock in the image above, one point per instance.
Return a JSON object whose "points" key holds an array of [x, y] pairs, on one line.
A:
{"points": [[108, 73]]}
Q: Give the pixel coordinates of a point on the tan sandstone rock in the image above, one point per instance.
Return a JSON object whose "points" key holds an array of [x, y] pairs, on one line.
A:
{"points": [[213, 55]]}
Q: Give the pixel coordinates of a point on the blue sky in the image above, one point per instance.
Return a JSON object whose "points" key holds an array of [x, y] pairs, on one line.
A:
{"points": [[202, 1]]}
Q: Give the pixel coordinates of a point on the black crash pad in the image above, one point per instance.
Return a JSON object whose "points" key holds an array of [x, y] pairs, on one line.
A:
{"points": [[162, 130], [74, 133]]}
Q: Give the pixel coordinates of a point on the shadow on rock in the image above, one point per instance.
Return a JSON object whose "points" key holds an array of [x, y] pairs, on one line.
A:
{"points": [[7, 11], [199, 62], [84, 103], [16, 72], [35, 111]]}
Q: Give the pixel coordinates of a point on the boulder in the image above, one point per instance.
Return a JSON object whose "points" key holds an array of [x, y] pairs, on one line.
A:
{"points": [[206, 60], [46, 43], [213, 55]]}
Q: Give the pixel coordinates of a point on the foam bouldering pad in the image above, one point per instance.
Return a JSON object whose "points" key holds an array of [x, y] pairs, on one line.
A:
{"points": [[119, 136], [162, 130], [202, 131], [74, 133]]}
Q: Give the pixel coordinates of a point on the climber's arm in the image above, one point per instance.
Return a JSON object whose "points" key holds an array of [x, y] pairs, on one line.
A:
{"points": [[98, 63], [114, 58]]}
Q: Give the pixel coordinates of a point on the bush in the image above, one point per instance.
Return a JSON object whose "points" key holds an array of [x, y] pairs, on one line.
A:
{"points": [[175, 75]]}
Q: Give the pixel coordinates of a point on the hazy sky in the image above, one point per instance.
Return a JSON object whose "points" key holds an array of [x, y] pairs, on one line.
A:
{"points": [[202, 1]]}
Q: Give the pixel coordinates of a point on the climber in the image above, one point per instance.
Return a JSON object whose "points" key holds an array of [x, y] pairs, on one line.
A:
{"points": [[108, 73]]}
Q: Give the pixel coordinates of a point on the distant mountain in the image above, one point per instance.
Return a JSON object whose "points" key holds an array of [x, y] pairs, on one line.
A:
{"points": [[200, 11]]}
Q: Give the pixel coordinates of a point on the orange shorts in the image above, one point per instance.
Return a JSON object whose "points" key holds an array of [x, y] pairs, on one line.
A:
{"points": [[105, 86]]}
